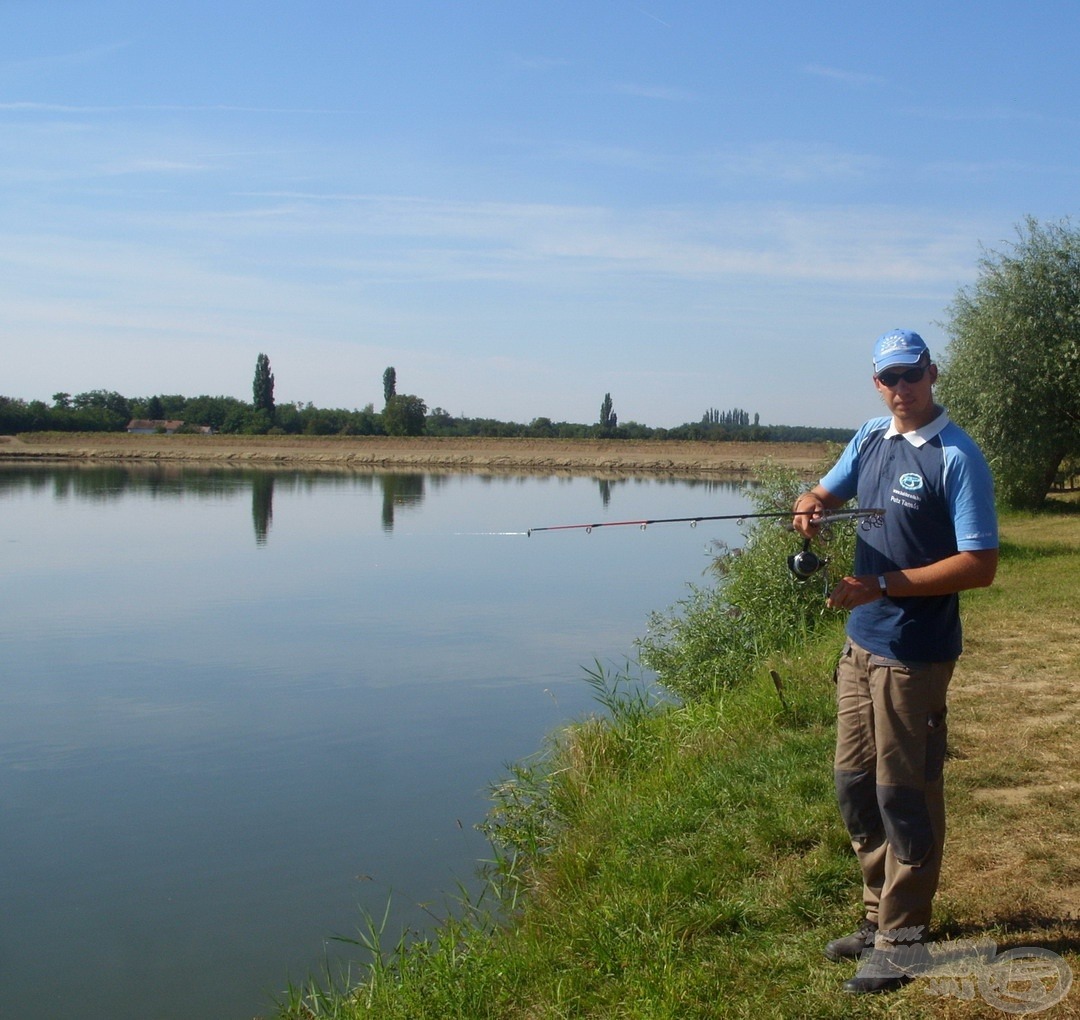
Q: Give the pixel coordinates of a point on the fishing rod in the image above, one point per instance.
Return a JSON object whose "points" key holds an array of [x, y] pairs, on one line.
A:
{"points": [[803, 564], [871, 518]]}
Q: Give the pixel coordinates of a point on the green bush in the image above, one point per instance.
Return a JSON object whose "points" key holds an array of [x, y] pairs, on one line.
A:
{"points": [[722, 635]]}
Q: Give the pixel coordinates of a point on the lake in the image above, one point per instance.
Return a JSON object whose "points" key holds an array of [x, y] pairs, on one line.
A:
{"points": [[240, 709]]}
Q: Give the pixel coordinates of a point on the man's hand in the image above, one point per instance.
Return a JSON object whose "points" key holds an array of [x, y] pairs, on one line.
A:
{"points": [[807, 508], [854, 591], [959, 572]]}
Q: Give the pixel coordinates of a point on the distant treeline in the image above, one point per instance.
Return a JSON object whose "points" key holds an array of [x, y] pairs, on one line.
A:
{"points": [[106, 411]]}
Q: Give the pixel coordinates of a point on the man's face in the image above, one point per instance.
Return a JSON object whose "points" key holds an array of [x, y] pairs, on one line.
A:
{"points": [[910, 403]]}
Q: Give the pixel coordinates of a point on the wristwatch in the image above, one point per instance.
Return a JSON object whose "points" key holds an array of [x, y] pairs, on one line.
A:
{"points": [[882, 586]]}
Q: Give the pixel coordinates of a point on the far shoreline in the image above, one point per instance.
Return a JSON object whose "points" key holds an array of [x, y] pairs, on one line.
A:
{"points": [[681, 458]]}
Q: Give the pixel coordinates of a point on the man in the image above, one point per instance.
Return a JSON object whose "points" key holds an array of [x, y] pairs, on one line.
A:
{"points": [[938, 537]]}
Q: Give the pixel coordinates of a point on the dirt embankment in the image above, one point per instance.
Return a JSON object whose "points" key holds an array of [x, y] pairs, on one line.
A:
{"points": [[540, 456]]}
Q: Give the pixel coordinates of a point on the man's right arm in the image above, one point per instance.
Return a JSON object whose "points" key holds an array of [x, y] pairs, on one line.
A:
{"points": [[834, 489]]}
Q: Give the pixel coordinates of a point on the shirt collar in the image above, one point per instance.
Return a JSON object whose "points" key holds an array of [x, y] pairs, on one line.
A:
{"points": [[920, 437]]}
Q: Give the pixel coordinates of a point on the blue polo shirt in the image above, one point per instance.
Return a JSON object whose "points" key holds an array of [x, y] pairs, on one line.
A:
{"points": [[938, 496]]}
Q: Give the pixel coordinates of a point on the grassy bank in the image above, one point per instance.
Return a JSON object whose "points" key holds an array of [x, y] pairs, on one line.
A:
{"points": [[688, 861]]}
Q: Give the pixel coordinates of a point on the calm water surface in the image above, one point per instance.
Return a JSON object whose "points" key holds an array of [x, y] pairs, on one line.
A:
{"points": [[239, 709]]}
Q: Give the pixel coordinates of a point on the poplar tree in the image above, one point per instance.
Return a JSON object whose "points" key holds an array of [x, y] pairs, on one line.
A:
{"points": [[263, 386], [608, 418]]}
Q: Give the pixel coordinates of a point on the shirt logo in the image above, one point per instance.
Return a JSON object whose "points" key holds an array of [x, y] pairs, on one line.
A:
{"points": [[911, 482]]}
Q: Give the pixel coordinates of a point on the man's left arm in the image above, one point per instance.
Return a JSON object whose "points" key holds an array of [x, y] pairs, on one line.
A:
{"points": [[963, 570]]}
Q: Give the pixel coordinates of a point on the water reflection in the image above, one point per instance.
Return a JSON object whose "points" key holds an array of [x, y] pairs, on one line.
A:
{"points": [[605, 492], [205, 740], [262, 505], [399, 490]]}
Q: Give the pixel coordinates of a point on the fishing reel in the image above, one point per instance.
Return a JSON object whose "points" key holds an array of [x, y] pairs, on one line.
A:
{"points": [[806, 563]]}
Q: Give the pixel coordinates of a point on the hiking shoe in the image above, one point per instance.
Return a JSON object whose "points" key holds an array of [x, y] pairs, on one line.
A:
{"points": [[887, 970], [852, 946]]}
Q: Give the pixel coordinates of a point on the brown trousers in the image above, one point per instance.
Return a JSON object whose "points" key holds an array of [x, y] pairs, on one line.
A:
{"points": [[890, 752]]}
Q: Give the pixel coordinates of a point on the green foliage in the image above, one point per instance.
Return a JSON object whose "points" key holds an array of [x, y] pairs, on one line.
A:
{"points": [[262, 387], [245, 421], [103, 400], [721, 636], [202, 410], [609, 420], [736, 417], [1010, 377], [404, 415], [542, 428], [721, 431], [389, 384], [87, 412]]}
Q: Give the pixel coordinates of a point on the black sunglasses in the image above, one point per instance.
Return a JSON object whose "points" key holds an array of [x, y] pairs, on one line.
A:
{"points": [[912, 375]]}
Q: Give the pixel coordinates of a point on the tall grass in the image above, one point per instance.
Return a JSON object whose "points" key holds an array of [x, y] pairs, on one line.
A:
{"points": [[643, 861]]}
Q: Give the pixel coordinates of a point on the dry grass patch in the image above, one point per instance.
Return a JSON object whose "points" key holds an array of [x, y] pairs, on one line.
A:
{"points": [[1012, 869], [611, 458]]}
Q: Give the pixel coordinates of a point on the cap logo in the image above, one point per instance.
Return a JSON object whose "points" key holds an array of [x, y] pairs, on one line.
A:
{"points": [[896, 342]]}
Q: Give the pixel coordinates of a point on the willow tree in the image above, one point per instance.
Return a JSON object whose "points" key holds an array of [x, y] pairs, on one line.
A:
{"points": [[1010, 373]]}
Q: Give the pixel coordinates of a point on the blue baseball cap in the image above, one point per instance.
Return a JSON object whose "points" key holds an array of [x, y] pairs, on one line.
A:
{"points": [[898, 347]]}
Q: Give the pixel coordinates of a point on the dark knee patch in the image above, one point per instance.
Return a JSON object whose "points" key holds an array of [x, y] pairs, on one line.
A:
{"points": [[907, 823], [856, 793]]}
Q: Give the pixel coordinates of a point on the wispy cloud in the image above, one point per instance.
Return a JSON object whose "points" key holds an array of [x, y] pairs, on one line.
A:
{"points": [[620, 156], [988, 115], [356, 270], [341, 239], [778, 162], [840, 75], [149, 165], [652, 17], [542, 245], [786, 162], [90, 110], [73, 58], [665, 93], [537, 62]]}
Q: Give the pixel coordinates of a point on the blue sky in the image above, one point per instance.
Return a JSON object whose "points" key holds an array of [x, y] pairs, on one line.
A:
{"points": [[520, 205]]}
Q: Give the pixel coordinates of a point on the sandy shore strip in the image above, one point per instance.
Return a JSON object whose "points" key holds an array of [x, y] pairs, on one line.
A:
{"points": [[379, 453]]}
